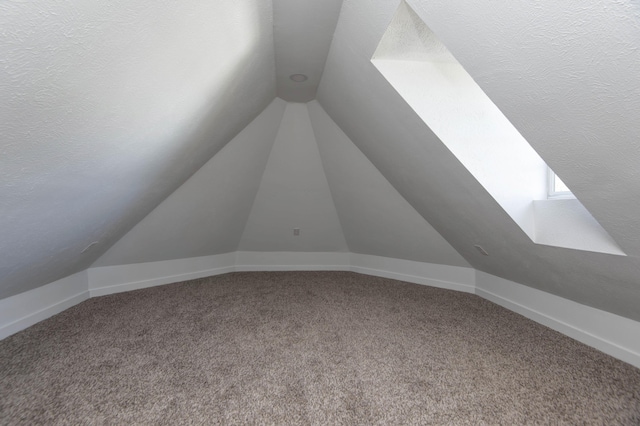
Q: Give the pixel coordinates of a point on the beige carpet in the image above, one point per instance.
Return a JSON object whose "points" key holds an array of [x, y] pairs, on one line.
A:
{"points": [[305, 348]]}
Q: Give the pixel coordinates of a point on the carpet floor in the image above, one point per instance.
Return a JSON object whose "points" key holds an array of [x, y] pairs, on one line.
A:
{"points": [[306, 348]]}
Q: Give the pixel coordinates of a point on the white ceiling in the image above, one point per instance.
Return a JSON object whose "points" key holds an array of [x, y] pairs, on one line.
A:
{"points": [[107, 108], [565, 78], [302, 34]]}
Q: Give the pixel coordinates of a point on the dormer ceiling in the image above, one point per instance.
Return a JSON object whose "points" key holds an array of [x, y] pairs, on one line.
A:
{"points": [[109, 109], [302, 34]]}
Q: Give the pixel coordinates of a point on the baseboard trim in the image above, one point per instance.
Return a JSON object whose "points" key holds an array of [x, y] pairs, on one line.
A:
{"points": [[612, 334], [41, 303], [106, 280], [154, 282], [246, 261], [413, 279], [442, 276]]}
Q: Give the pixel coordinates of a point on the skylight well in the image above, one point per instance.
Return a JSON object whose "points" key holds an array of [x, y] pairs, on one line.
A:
{"points": [[430, 79]]}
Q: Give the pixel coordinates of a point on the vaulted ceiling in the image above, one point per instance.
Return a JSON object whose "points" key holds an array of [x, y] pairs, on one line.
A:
{"points": [[138, 131]]}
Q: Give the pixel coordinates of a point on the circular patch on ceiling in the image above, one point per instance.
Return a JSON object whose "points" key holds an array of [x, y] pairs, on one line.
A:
{"points": [[298, 78]]}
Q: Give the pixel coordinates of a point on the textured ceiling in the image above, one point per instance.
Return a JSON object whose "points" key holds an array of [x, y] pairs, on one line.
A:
{"points": [[107, 108], [564, 77], [302, 34]]}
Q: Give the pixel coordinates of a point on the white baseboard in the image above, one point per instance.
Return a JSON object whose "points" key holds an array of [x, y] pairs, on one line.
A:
{"points": [[26, 309], [105, 280], [612, 334], [442, 276], [607, 332], [291, 261]]}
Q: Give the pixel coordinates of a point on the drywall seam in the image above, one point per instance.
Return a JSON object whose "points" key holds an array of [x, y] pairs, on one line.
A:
{"points": [[612, 334], [41, 303], [607, 332]]}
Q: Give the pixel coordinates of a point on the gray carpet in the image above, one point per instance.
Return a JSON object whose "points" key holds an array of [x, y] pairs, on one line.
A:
{"points": [[305, 348]]}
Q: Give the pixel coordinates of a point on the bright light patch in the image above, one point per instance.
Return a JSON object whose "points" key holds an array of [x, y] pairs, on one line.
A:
{"points": [[559, 186], [430, 79]]}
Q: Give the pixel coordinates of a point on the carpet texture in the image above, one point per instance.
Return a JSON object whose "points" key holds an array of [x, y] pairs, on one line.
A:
{"points": [[306, 348]]}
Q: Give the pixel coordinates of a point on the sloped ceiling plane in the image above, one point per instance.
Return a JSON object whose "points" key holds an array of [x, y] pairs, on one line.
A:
{"points": [[139, 131]]}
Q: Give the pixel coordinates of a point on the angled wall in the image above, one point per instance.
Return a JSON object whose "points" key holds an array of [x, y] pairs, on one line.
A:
{"points": [[206, 215], [376, 220], [294, 194], [291, 168]]}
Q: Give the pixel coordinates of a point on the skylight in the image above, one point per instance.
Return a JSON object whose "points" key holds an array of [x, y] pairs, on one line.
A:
{"points": [[430, 79]]}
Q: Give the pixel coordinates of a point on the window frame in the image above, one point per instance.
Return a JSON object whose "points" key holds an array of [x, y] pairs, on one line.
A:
{"points": [[552, 194]]}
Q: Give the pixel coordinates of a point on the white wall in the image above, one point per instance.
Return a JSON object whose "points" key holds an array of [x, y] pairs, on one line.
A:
{"points": [[106, 108], [270, 179], [207, 214], [375, 218], [294, 193]]}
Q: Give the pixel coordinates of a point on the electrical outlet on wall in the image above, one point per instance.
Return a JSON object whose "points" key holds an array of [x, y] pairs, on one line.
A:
{"points": [[296, 231]]}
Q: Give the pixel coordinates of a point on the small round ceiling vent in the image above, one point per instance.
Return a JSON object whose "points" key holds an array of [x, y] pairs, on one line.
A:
{"points": [[298, 78]]}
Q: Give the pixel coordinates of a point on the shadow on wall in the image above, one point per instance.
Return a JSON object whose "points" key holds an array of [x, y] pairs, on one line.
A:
{"points": [[156, 120]]}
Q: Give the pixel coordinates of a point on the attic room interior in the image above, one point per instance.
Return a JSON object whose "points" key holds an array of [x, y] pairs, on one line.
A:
{"points": [[319, 212]]}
